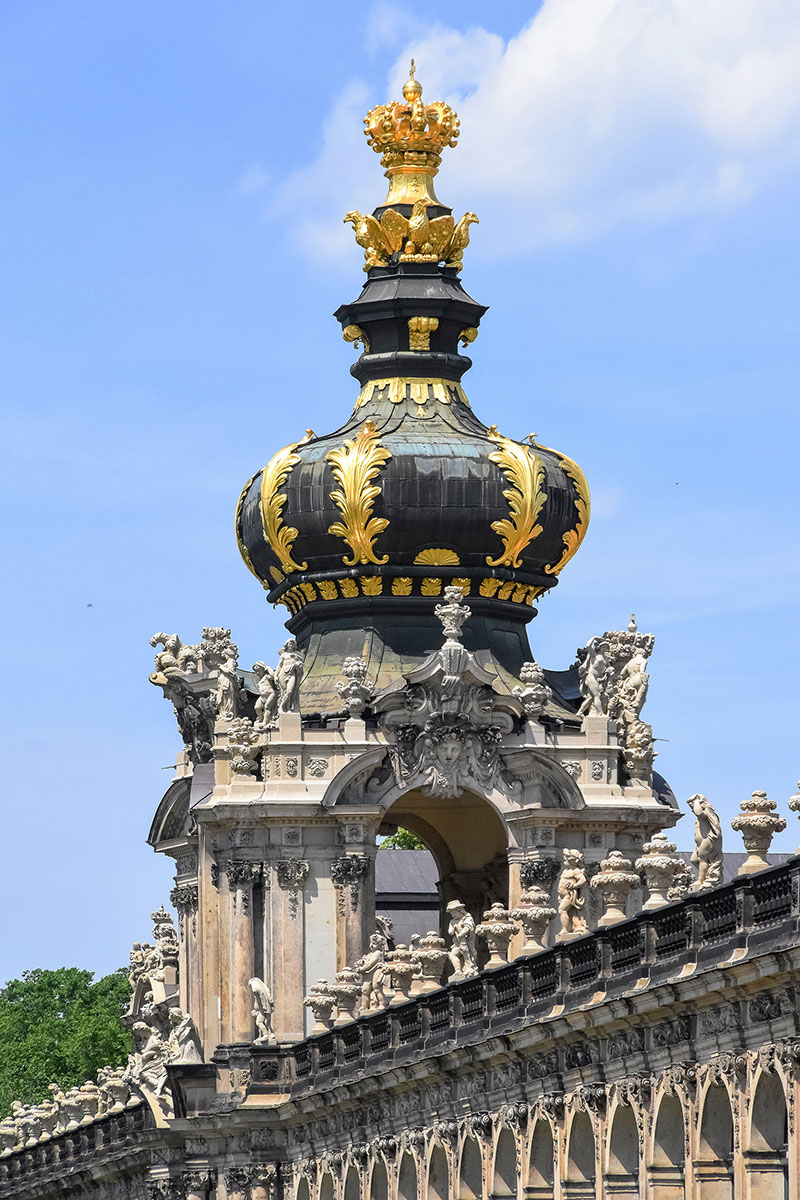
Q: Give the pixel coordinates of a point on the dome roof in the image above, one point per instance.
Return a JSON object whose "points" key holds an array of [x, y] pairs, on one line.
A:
{"points": [[413, 492]]}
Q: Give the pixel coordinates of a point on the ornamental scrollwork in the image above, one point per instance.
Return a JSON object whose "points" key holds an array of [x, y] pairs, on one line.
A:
{"points": [[356, 465], [525, 495]]}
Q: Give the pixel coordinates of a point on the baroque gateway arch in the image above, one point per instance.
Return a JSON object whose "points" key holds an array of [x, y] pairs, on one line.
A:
{"points": [[589, 1018]]}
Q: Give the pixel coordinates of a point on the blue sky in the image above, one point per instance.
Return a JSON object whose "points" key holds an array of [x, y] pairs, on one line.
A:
{"points": [[173, 181]]}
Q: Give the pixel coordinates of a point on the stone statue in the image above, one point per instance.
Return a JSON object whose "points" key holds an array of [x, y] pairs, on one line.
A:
{"points": [[263, 1007], [227, 695], [535, 693], [463, 954], [184, 1040], [268, 695], [631, 691], [572, 895], [638, 753], [593, 672], [175, 658], [147, 1066], [707, 853], [287, 676], [372, 969], [385, 928]]}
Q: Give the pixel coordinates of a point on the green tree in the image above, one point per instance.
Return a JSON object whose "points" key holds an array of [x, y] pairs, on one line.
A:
{"points": [[59, 1027], [404, 839]]}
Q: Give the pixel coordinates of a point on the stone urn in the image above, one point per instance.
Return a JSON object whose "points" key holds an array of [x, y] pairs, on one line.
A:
{"points": [[9, 1135], [73, 1108], [402, 967], [322, 1002], [662, 870], [497, 929], [345, 989], [615, 880], [115, 1088], [48, 1119], [758, 823], [89, 1099], [534, 913], [794, 802], [430, 955]]}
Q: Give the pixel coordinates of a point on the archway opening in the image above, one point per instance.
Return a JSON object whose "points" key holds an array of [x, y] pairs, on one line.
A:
{"points": [[352, 1184], [714, 1165], [379, 1182], [541, 1175], [407, 1179], [469, 1174], [468, 842], [580, 1181], [622, 1173], [438, 1182], [326, 1188], [766, 1153], [504, 1173], [303, 1190], [666, 1172]]}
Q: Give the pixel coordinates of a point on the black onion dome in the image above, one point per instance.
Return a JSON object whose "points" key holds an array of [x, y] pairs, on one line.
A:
{"points": [[361, 528], [413, 491]]}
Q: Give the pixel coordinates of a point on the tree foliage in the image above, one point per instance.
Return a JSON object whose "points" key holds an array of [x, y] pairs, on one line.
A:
{"points": [[59, 1027], [404, 839]]}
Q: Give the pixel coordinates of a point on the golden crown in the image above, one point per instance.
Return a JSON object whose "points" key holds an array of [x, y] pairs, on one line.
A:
{"points": [[412, 132]]}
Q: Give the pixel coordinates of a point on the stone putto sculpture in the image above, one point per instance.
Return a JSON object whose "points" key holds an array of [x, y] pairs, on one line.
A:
{"points": [[758, 823], [593, 673], [535, 693], [794, 801], [263, 1007], [707, 853], [463, 954], [372, 969], [572, 895]]}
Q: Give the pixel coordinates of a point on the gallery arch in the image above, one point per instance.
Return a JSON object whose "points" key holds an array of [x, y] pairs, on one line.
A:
{"points": [[666, 1171], [470, 1172], [580, 1178], [765, 1157], [541, 1176], [622, 1172], [714, 1164]]}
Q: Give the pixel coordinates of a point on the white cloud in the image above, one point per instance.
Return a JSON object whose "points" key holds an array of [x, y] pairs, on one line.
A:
{"points": [[598, 113]]}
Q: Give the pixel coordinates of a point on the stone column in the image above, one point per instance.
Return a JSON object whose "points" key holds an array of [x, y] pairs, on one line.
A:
{"points": [[353, 877], [210, 904], [288, 923], [240, 874]]}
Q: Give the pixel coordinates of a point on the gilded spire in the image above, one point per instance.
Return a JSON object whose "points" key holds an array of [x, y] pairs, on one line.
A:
{"points": [[410, 136]]}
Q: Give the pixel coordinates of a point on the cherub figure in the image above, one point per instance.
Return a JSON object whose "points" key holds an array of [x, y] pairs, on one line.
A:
{"points": [[462, 954], [572, 894], [372, 969], [707, 853], [593, 670], [263, 1008]]}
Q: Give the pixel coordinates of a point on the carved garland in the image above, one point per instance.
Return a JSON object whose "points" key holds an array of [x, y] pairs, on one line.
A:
{"points": [[356, 465], [526, 497]]}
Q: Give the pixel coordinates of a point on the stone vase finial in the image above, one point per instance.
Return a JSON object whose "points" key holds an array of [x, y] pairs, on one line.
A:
{"points": [[758, 823], [322, 1002], [615, 880], [497, 929], [430, 953], [534, 913], [346, 988], [663, 869], [402, 967]]}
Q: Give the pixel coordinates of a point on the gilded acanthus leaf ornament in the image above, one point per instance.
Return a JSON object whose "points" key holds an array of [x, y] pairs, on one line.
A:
{"points": [[280, 536], [573, 537], [526, 497], [356, 465]]}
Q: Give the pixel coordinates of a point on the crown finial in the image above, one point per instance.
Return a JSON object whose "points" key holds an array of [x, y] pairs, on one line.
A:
{"points": [[410, 137]]}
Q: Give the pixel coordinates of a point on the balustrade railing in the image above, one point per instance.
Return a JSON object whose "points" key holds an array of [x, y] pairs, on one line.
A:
{"points": [[655, 944]]}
